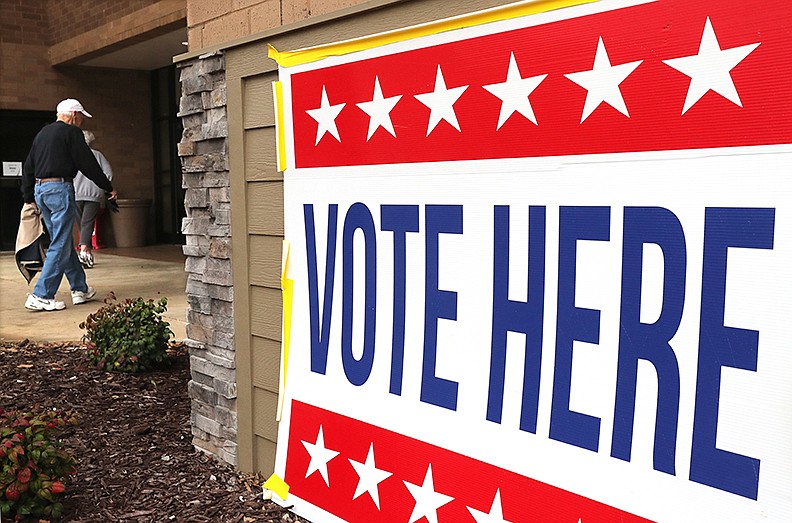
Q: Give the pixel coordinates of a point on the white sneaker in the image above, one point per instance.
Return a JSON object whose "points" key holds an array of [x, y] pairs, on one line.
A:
{"points": [[79, 297], [34, 303]]}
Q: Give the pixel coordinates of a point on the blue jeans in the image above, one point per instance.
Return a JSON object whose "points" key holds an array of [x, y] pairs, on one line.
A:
{"points": [[55, 200]]}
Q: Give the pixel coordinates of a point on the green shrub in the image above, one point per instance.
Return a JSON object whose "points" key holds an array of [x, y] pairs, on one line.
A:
{"points": [[128, 336], [33, 466]]}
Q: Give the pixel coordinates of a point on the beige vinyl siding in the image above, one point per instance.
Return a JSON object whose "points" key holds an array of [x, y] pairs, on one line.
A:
{"points": [[257, 194], [266, 363], [257, 197], [263, 201], [260, 156], [265, 260]]}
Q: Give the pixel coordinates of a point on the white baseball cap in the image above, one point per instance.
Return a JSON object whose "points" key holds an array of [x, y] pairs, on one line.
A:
{"points": [[70, 105]]}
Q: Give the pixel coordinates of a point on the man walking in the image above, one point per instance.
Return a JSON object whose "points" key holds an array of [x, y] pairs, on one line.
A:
{"points": [[58, 152]]}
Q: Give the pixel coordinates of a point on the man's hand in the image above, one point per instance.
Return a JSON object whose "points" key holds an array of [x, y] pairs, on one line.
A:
{"points": [[111, 200], [35, 207]]}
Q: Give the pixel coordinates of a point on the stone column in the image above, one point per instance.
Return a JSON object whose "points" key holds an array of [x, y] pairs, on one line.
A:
{"points": [[210, 293]]}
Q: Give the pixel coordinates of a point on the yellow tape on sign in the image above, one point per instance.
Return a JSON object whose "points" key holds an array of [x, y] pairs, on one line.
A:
{"points": [[312, 54], [287, 290], [280, 129], [277, 485]]}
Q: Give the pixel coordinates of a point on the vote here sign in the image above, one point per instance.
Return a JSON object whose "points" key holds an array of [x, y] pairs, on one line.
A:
{"points": [[539, 268]]}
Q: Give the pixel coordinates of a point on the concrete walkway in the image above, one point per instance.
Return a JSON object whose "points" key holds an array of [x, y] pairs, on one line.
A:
{"points": [[150, 272]]}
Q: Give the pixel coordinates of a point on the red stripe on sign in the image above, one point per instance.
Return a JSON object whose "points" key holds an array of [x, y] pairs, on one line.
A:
{"points": [[360, 472], [667, 75]]}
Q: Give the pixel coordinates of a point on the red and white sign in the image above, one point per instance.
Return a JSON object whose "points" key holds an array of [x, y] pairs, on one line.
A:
{"points": [[541, 270]]}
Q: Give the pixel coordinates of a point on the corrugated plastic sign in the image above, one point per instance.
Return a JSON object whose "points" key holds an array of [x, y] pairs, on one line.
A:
{"points": [[538, 269]]}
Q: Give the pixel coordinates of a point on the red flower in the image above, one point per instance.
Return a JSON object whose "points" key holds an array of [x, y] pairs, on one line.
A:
{"points": [[58, 487]]}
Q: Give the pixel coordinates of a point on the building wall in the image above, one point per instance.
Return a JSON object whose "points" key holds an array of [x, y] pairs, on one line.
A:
{"points": [[256, 210], [33, 32], [25, 22], [114, 28], [72, 18], [121, 122], [24, 40], [220, 21], [207, 228]]}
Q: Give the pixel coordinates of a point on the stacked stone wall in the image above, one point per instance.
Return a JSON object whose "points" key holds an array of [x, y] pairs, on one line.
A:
{"points": [[207, 228]]}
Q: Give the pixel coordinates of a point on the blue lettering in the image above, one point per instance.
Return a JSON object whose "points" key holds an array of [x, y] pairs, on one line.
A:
{"points": [[359, 218], [721, 346], [320, 336], [517, 316], [400, 219], [650, 342], [439, 304], [574, 323]]}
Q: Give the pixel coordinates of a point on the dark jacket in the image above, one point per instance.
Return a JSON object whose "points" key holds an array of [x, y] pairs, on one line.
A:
{"points": [[59, 151]]}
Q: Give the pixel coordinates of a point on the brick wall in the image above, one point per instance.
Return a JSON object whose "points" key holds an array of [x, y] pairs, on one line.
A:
{"points": [[44, 22], [26, 79], [207, 228], [24, 23], [219, 21], [91, 14], [121, 123], [122, 118]]}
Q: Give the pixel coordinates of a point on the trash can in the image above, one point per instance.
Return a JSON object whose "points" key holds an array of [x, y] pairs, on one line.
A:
{"points": [[129, 223]]}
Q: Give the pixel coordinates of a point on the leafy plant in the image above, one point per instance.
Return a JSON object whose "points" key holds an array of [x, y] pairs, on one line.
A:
{"points": [[128, 336], [33, 464]]}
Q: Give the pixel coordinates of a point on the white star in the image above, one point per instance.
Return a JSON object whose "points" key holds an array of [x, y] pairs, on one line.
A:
{"points": [[495, 514], [710, 69], [370, 477], [320, 456], [325, 116], [514, 93], [441, 102], [427, 501], [602, 82], [379, 109]]}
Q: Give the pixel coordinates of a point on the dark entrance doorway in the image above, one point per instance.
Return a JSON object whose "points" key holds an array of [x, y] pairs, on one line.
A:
{"points": [[17, 130], [168, 191]]}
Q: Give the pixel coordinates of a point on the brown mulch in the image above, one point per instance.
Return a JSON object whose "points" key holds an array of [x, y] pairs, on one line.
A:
{"points": [[135, 459]]}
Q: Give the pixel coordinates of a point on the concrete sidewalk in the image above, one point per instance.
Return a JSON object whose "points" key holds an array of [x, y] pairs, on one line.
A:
{"points": [[150, 272]]}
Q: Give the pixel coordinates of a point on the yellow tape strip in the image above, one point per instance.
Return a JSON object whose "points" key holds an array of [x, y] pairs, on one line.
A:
{"points": [[280, 128], [312, 54], [287, 289], [277, 485]]}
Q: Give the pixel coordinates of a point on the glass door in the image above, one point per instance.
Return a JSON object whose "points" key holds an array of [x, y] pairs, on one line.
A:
{"points": [[168, 191], [17, 130]]}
